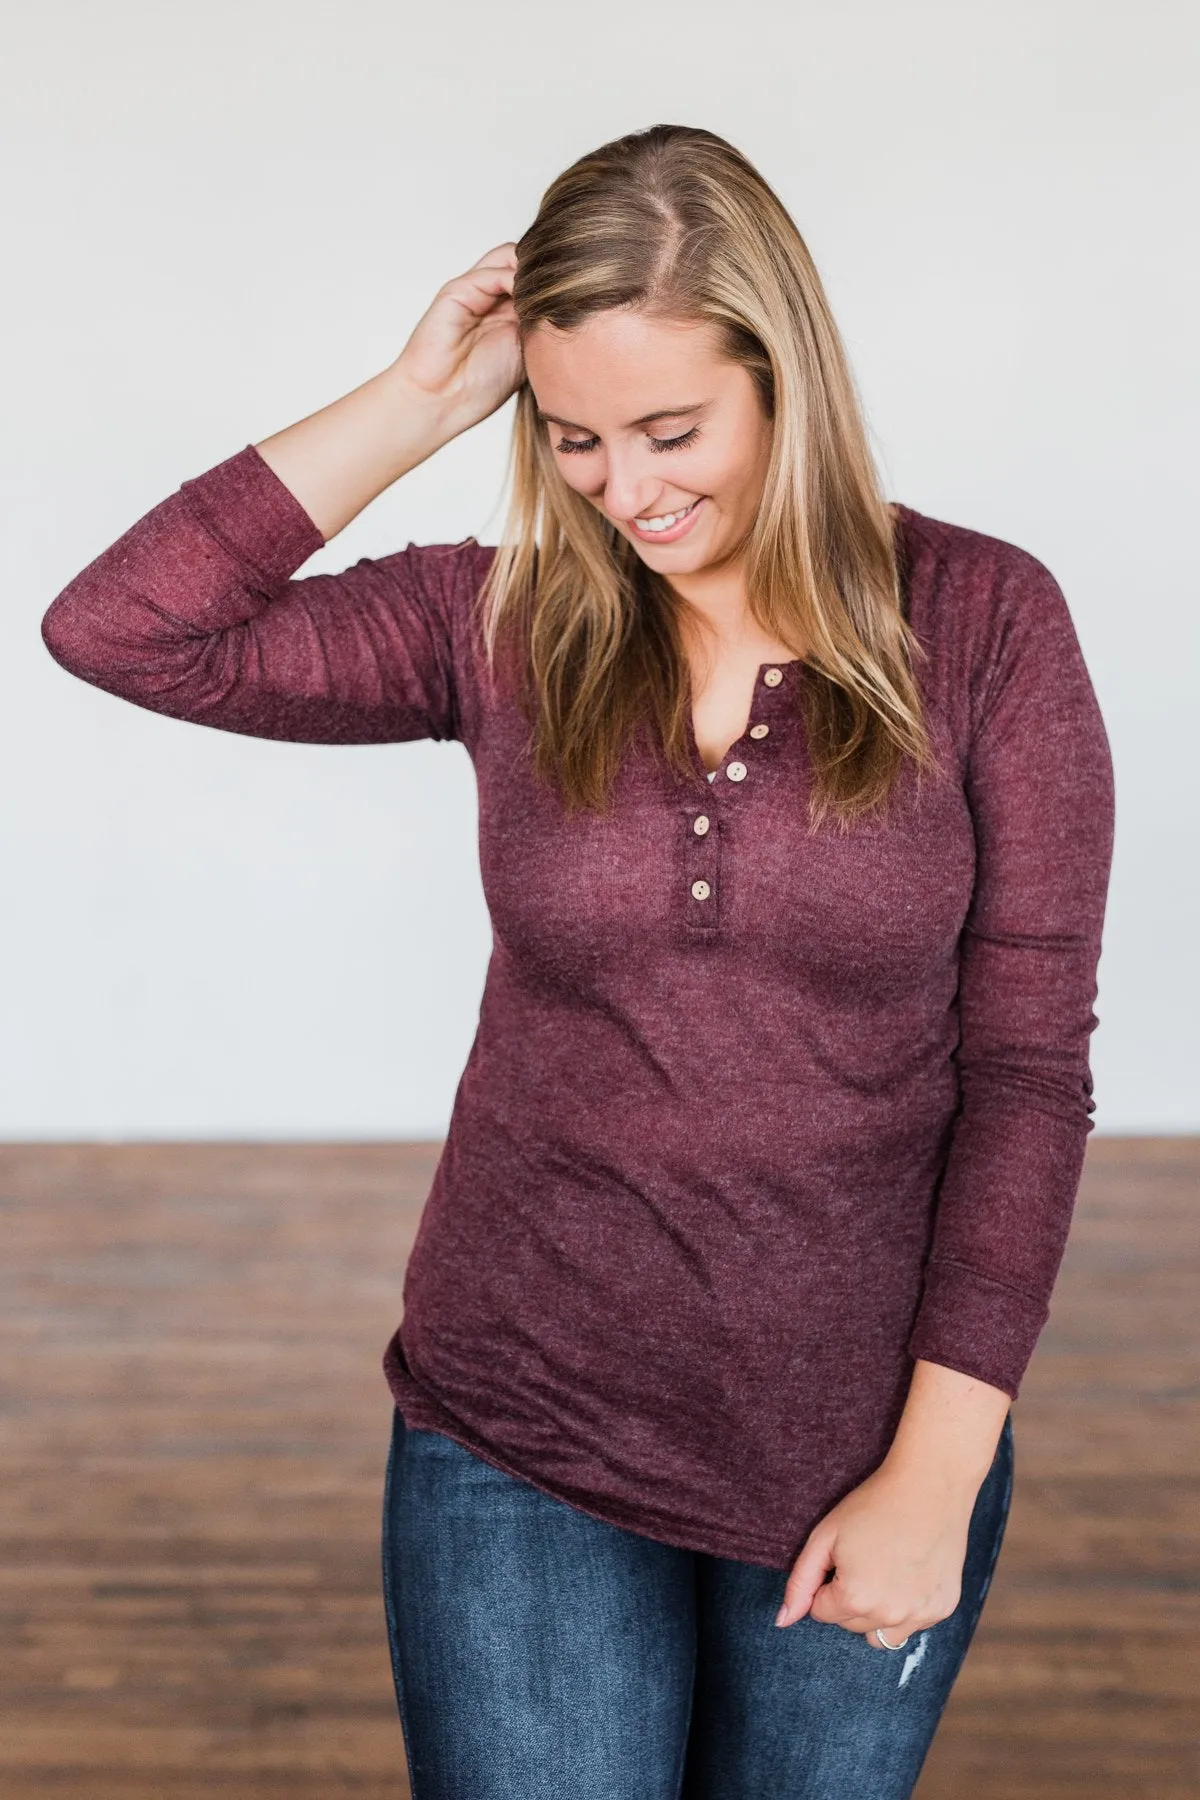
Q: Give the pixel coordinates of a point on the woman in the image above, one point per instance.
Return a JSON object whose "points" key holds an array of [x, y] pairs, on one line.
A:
{"points": [[795, 829]]}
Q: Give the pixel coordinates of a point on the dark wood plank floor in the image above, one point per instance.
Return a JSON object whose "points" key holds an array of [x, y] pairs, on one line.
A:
{"points": [[193, 1430]]}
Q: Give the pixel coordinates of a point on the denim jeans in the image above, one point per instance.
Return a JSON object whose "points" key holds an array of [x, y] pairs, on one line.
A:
{"points": [[541, 1654]]}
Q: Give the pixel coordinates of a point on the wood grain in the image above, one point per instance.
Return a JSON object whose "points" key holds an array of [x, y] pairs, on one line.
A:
{"points": [[194, 1428]]}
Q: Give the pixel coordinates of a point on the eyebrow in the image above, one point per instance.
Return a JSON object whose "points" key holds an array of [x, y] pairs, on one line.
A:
{"points": [[664, 412]]}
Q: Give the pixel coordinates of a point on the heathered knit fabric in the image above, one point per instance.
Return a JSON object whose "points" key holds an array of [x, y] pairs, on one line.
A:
{"points": [[719, 1168]]}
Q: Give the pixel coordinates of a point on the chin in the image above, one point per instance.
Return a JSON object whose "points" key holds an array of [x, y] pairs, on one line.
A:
{"points": [[683, 562]]}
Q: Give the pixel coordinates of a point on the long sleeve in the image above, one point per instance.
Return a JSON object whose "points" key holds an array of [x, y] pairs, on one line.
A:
{"points": [[192, 612], [1039, 784]]}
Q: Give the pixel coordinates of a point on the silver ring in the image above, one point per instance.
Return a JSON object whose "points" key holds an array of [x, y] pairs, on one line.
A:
{"points": [[885, 1643]]}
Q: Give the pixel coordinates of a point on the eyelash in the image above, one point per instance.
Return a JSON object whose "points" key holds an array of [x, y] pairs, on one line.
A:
{"points": [[656, 444]]}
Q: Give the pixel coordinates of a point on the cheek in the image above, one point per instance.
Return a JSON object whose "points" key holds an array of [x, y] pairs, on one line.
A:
{"points": [[582, 473], [727, 478]]}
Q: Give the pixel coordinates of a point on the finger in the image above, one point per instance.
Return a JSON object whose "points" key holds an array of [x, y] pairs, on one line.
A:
{"points": [[503, 312], [480, 289], [866, 1629], [861, 1627], [807, 1577], [833, 1606], [493, 278], [498, 254], [897, 1636], [830, 1613], [863, 1624]]}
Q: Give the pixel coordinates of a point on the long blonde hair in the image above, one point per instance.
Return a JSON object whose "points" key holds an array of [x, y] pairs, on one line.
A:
{"points": [[676, 223]]}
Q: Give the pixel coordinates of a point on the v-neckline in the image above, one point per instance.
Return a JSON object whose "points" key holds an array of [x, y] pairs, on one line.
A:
{"points": [[903, 519], [710, 775]]}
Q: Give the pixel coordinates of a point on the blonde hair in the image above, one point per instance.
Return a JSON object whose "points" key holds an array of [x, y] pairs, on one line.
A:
{"points": [[676, 223]]}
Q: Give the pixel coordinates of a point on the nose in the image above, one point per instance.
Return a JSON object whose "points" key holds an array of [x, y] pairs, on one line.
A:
{"points": [[629, 492]]}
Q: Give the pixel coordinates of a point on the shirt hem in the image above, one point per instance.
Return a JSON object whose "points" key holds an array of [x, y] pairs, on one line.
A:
{"points": [[424, 1412]]}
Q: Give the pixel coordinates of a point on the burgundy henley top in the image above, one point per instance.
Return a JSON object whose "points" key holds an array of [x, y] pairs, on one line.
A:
{"points": [[752, 1118]]}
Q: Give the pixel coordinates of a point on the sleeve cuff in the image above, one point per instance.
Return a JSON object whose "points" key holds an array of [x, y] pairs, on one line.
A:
{"points": [[980, 1327], [253, 515]]}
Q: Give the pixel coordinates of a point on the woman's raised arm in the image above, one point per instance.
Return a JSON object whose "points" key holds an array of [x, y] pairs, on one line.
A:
{"points": [[193, 611]]}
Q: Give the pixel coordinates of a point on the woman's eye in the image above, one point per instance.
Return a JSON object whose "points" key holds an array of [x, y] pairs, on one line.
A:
{"points": [[570, 445], [675, 443]]}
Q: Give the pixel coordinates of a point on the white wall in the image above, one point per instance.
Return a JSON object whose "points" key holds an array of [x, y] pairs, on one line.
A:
{"points": [[220, 217]]}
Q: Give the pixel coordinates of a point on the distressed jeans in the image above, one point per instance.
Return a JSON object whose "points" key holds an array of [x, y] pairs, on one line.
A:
{"points": [[541, 1654]]}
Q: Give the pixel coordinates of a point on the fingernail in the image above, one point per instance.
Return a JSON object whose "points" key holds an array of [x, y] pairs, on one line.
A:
{"points": [[781, 1615]]}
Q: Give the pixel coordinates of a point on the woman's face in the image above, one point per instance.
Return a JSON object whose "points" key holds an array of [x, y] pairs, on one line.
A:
{"points": [[648, 422]]}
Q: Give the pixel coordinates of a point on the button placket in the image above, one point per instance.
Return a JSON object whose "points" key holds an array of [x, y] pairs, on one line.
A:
{"points": [[702, 870], [703, 874], [737, 770]]}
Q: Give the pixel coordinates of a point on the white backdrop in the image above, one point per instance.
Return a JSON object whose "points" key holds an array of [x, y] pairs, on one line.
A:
{"points": [[220, 217]]}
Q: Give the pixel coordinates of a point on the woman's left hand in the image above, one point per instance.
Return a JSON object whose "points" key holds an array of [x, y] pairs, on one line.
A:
{"points": [[897, 1544]]}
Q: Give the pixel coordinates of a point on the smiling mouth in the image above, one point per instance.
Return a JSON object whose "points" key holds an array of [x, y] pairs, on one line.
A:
{"points": [[683, 522], [665, 521]]}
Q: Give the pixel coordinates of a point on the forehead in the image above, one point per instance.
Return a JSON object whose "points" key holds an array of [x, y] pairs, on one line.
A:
{"points": [[621, 363]]}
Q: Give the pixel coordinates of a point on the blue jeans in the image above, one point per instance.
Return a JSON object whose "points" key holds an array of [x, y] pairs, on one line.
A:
{"points": [[541, 1654]]}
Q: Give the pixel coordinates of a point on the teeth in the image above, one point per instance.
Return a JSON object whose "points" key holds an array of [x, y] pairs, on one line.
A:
{"points": [[664, 522]]}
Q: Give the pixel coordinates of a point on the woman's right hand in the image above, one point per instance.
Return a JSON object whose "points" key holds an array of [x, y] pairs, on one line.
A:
{"points": [[460, 364], [464, 351]]}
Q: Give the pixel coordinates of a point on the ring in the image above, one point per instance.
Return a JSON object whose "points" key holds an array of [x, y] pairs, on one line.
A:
{"points": [[885, 1643]]}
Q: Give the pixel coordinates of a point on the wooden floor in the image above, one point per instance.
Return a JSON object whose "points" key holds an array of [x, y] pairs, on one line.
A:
{"points": [[193, 1435]]}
